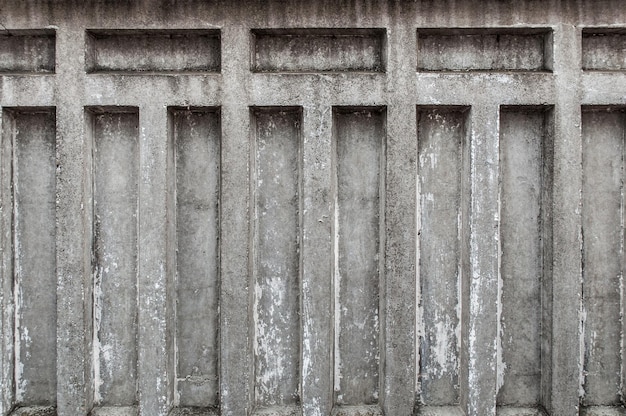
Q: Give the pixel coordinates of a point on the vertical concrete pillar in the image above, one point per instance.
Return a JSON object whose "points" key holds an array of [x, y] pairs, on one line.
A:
{"points": [[235, 344], [74, 228], [561, 398], [398, 359], [478, 395], [316, 260], [155, 262]]}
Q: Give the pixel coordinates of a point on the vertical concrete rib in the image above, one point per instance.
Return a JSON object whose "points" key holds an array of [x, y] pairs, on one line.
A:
{"points": [[154, 261], [562, 396], [234, 227], [398, 292], [74, 227], [478, 392], [316, 265]]}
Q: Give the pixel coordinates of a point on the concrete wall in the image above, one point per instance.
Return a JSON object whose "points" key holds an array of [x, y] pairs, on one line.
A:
{"points": [[312, 208]]}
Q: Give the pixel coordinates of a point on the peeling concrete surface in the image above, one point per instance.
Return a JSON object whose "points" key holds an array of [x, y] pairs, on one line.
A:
{"points": [[397, 298]]}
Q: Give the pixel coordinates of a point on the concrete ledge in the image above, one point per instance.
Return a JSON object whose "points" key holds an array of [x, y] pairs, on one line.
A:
{"points": [[195, 411], [357, 411], [35, 411], [115, 411], [519, 411], [278, 411], [440, 411], [602, 411]]}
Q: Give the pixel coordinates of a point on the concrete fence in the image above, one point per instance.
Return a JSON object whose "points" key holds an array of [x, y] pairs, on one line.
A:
{"points": [[285, 208]]}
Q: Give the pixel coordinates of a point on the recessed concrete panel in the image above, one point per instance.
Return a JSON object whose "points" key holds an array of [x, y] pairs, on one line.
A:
{"points": [[31, 135], [137, 51], [604, 49], [196, 136], [442, 137], [359, 139], [24, 51], [603, 254], [319, 50], [483, 50], [115, 186], [277, 194], [524, 179]]}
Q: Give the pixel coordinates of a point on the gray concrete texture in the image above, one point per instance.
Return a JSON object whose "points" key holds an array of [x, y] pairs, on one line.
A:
{"points": [[312, 208]]}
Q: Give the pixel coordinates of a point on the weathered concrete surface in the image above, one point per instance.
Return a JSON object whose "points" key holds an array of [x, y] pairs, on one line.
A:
{"points": [[522, 137], [442, 137], [482, 50], [276, 257], [359, 143], [115, 142], [319, 50], [33, 140], [196, 137], [603, 256], [26, 51], [153, 51], [603, 50], [398, 89]]}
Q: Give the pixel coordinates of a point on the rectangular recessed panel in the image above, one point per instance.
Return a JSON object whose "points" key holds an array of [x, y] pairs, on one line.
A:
{"points": [[196, 137], [441, 140], [319, 50], [137, 51], [32, 136], [115, 189], [27, 51], [276, 184], [523, 169], [359, 141], [483, 50], [603, 255], [604, 49]]}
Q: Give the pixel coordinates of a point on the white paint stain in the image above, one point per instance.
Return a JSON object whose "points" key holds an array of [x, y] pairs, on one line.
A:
{"points": [[337, 308], [97, 313], [500, 364], [581, 357]]}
